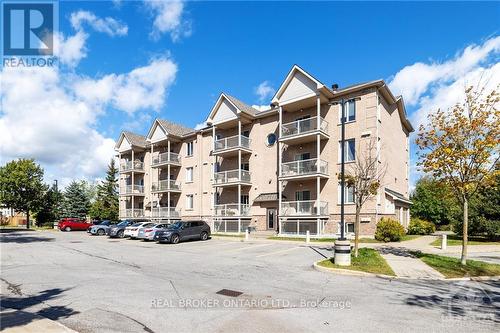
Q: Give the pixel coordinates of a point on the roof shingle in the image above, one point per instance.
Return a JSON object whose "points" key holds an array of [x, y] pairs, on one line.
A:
{"points": [[240, 105], [175, 129], [136, 139]]}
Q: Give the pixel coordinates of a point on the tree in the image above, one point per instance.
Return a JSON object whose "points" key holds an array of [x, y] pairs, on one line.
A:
{"points": [[22, 187], [50, 209], [433, 201], [364, 176], [460, 147], [76, 202], [106, 203]]}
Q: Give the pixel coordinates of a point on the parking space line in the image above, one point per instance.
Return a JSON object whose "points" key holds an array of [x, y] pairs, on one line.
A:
{"points": [[278, 252], [249, 248]]}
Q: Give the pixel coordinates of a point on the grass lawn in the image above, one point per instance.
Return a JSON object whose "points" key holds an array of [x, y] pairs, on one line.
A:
{"points": [[451, 267], [369, 260], [453, 240], [228, 235]]}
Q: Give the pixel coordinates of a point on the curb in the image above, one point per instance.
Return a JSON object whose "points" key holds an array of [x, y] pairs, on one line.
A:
{"points": [[342, 271]]}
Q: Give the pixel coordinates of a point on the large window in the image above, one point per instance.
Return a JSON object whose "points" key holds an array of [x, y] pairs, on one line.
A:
{"points": [[189, 174], [350, 111], [348, 194], [350, 150], [190, 148], [189, 201]]}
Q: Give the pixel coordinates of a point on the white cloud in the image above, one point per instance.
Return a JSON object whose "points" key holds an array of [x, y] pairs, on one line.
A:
{"points": [[169, 17], [415, 80], [107, 25], [261, 107], [264, 91], [200, 125], [142, 88], [70, 50]]}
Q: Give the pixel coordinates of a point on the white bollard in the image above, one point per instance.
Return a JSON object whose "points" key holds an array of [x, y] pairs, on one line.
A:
{"points": [[247, 235], [308, 237], [343, 252], [443, 242]]}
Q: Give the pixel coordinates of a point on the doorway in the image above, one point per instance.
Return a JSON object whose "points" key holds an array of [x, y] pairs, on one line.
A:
{"points": [[271, 218]]}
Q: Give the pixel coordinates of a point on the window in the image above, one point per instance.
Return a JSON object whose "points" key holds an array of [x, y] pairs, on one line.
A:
{"points": [[348, 194], [302, 195], [245, 199], [349, 228], [189, 174], [189, 201], [190, 148], [245, 166], [350, 150], [303, 156], [246, 134], [271, 139], [350, 111]]}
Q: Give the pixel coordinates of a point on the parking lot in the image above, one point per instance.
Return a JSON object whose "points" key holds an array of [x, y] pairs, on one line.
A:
{"points": [[97, 284]]}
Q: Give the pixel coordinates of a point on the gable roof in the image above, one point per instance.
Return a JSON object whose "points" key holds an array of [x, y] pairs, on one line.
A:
{"points": [[133, 138], [236, 103], [174, 128]]}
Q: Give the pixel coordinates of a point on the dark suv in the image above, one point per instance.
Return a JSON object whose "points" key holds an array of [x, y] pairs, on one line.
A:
{"points": [[183, 230]]}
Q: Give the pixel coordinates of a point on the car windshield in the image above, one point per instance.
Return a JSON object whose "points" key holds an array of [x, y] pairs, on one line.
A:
{"points": [[122, 224], [105, 223], [175, 225], [137, 224], [148, 225]]}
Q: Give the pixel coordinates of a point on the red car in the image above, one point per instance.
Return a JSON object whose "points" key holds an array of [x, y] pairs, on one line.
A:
{"points": [[70, 223]]}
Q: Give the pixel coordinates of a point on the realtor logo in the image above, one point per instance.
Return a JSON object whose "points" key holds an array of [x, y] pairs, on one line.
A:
{"points": [[28, 28]]}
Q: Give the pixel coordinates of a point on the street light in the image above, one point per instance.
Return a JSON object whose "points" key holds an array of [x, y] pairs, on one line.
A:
{"points": [[342, 246]]}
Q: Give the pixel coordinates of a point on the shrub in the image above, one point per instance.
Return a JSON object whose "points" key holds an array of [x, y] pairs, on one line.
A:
{"points": [[421, 227], [389, 230], [480, 226]]}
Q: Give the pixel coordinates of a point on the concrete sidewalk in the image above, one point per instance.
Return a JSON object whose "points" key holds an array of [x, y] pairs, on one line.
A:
{"points": [[405, 265], [16, 321]]}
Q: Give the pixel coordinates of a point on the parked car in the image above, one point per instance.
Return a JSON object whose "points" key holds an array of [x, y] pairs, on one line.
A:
{"points": [[95, 222], [119, 229], [133, 230], [148, 233], [71, 223], [102, 228], [183, 230]]}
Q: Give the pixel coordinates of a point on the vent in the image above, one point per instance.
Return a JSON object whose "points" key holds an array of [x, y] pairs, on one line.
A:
{"points": [[230, 293]]}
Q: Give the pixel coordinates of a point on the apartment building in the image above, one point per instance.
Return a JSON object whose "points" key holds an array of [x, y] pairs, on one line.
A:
{"points": [[276, 169]]}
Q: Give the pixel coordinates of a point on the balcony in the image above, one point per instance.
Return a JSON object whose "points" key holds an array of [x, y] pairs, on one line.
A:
{"points": [[303, 169], [166, 159], [132, 190], [166, 186], [304, 208], [129, 166], [232, 177], [132, 213], [230, 145], [304, 130], [165, 212], [231, 210]]}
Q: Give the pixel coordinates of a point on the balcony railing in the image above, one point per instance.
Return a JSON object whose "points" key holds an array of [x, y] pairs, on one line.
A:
{"points": [[232, 210], [303, 126], [232, 142], [163, 212], [133, 212], [132, 189], [129, 166], [231, 176], [165, 158], [304, 208], [165, 185], [304, 167]]}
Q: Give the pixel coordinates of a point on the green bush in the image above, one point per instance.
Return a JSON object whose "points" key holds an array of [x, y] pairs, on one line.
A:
{"points": [[480, 226], [389, 230], [421, 227]]}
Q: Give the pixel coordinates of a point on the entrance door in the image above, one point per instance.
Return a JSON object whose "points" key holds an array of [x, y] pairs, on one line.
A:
{"points": [[271, 218]]}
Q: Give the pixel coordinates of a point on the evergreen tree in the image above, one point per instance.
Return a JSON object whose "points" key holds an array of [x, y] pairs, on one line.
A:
{"points": [[106, 203], [51, 207], [76, 202]]}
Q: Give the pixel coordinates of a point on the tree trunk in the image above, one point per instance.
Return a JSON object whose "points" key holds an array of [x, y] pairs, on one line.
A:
{"points": [[27, 218], [463, 260], [356, 233]]}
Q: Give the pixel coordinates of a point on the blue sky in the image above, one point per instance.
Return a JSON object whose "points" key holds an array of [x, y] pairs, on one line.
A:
{"points": [[196, 50]]}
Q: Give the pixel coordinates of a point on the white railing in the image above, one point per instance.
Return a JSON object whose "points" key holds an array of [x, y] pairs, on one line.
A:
{"points": [[165, 185], [231, 176], [165, 212], [132, 189], [133, 212], [231, 210], [129, 165], [304, 167], [303, 208], [166, 158], [302, 126], [232, 142]]}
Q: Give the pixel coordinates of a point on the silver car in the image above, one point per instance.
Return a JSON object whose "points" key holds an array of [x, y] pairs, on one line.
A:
{"points": [[147, 233], [102, 228]]}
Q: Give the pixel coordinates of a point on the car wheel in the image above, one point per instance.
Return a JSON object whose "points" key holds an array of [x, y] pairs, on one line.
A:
{"points": [[174, 239], [204, 236], [100, 232], [120, 234], [67, 229]]}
